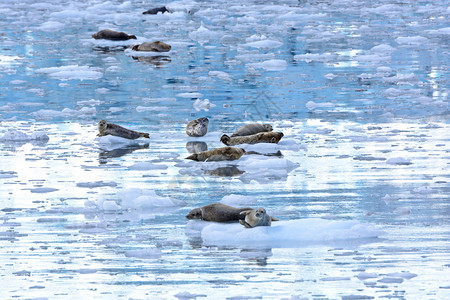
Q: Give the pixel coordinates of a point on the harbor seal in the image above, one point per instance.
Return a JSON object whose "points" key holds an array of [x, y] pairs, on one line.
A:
{"points": [[197, 127], [156, 10], [262, 137], [256, 217], [217, 212], [219, 154], [252, 128], [108, 34], [105, 128], [157, 46]]}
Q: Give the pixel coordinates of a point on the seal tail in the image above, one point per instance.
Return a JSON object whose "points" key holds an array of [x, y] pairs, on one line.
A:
{"points": [[274, 219], [193, 156], [225, 139], [146, 135]]}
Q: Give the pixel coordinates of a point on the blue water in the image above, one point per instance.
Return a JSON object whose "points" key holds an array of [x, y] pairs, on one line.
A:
{"points": [[359, 89]]}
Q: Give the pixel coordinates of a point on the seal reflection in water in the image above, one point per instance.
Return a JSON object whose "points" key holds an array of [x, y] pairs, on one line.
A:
{"points": [[219, 154], [252, 128], [256, 217], [262, 137], [217, 212], [105, 128], [197, 127], [108, 34]]}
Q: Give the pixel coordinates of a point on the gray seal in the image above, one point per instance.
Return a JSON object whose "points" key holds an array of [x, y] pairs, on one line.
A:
{"points": [[219, 154], [157, 46], [197, 127], [105, 128], [217, 212], [252, 128], [261, 137], [108, 34], [156, 10], [256, 217]]}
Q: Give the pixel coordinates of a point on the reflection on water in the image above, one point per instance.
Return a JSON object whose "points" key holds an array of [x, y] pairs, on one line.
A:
{"points": [[196, 147]]}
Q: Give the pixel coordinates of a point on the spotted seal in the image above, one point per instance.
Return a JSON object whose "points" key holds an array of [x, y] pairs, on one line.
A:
{"points": [[197, 127], [224, 153], [252, 128], [105, 128], [217, 212], [261, 137], [108, 34], [157, 46], [256, 217], [156, 10]]}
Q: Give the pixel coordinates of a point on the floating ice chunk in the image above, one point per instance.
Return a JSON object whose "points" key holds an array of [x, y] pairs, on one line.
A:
{"points": [[51, 26], [202, 105], [310, 57], [146, 166], [146, 253], [151, 108], [286, 233], [47, 114], [423, 190], [335, 278], [388, 198], [42, 190], [265, 44], [221, 75], [188, 7], [330, 76], [412, 40], [443, 31], [383, 49], [402, 211], [136, 198], [398, 161], [402, 79], [187, 295], [111, 142], [19, 136], [109, 205], [403, 274], [95, 184], [391, 280], [313, 105], [203, 34], [271, 65], [238, 200], [72, 72], [365, 275], [92, 102], [190, 95]]}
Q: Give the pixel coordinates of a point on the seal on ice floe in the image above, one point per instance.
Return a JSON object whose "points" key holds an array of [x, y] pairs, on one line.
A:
{"points": [[197, 127], [217, 212], [157, 46], [108, 34], [252, 128], [256, 217], [156, 10], [261, 137], [105, 128], [224, 153]]}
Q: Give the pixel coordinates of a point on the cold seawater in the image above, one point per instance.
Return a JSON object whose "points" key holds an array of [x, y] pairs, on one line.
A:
{"points": [[360, 180]]}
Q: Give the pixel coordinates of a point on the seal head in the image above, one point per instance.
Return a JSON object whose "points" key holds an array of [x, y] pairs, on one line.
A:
{"points": [[256, 217]]}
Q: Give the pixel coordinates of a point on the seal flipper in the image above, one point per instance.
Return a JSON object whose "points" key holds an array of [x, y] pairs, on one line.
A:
{"points": [[274, 219], [193, 156], [146, 135]]}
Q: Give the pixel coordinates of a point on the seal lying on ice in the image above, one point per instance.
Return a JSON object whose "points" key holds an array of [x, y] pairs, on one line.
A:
{"points": [[261, 137], [157, 46], [108, 34], [256, 217], [217, 212], [197, 127], [105, 128], [224, 153], [252, 128]]}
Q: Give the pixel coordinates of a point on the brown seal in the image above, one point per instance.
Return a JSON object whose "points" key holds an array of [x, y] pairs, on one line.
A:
{"points": [[252, 128], [197, 127], [217, 212], [157, 46], [108, 34], [256, 217], [105, 128], [224, 153], [262, 137]]}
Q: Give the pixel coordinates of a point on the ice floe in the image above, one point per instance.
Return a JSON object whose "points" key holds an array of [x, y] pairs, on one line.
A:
{"points": [[72, 72], [292, 233]]}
